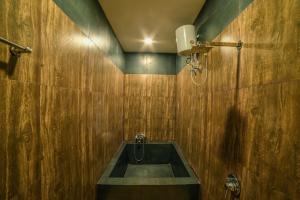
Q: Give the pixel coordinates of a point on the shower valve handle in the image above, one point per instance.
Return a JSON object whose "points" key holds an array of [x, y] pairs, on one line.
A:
{"points": [[232, 184]]}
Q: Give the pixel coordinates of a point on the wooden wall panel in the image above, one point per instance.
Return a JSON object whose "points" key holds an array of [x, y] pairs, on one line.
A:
{"points": [[3, 135], [62, 106], [22, 148], [244, 119], [149, 106]]}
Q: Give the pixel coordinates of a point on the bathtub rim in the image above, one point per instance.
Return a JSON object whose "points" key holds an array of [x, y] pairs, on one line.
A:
{"points": [[107, 180]]}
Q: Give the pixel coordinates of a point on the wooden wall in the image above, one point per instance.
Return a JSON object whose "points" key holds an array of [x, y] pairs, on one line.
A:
{"points": [[149, 106], [61, 107], [245, 118], [61, 111]]}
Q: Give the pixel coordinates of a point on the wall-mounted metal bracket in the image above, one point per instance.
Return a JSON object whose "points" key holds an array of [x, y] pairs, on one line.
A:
{"points": [[15, 49], [17, 52], [239, 45]]}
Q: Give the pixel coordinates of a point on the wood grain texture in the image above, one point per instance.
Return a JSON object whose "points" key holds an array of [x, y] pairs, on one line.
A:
{"points": [[61, 106], [149, 106], [244, 119]]}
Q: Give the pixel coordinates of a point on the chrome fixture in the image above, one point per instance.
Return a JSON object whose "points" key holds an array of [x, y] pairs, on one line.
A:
{"points": [[140, 140], [232, 184], [15, 49], [202, 48], [198, 68]]}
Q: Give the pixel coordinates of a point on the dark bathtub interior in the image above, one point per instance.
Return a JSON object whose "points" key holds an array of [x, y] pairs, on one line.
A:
{"points": [[163, 173], [159, 160]]}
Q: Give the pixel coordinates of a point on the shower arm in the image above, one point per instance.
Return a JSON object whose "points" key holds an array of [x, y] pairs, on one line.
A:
{"points": [[227, 44], [205, 47], [15, 49]]}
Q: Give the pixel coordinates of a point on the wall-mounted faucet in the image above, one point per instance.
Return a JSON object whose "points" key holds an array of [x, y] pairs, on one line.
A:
{"points": [[139, 146], [140, 138], [232, 184]]}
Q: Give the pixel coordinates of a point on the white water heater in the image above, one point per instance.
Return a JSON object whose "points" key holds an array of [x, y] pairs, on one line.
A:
{"points": [[185, 39]]}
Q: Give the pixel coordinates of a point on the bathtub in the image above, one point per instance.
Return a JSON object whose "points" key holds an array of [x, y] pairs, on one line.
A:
{"points": [[162, 173]]}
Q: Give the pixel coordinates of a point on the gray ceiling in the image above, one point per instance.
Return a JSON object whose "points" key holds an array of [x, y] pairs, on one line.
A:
{"points": [[133, 20]]}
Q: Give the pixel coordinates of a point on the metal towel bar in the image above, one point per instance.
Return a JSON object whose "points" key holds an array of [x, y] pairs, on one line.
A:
{"points": [[16, 49]]}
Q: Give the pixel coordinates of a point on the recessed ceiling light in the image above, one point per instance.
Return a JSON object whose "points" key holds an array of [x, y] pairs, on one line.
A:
{"points": [[148, 41]]}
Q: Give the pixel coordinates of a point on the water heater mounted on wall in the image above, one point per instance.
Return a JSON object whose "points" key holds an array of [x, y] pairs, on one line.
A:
{"points": [[185, 39], [187, 45]]}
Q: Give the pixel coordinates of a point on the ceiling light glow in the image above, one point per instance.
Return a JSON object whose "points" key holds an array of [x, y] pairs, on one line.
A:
{"points": [[148, 41]]}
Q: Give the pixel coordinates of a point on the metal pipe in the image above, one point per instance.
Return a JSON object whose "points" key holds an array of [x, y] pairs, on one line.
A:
{"points": [[226, 44], [205, 47], [16, 47]]}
